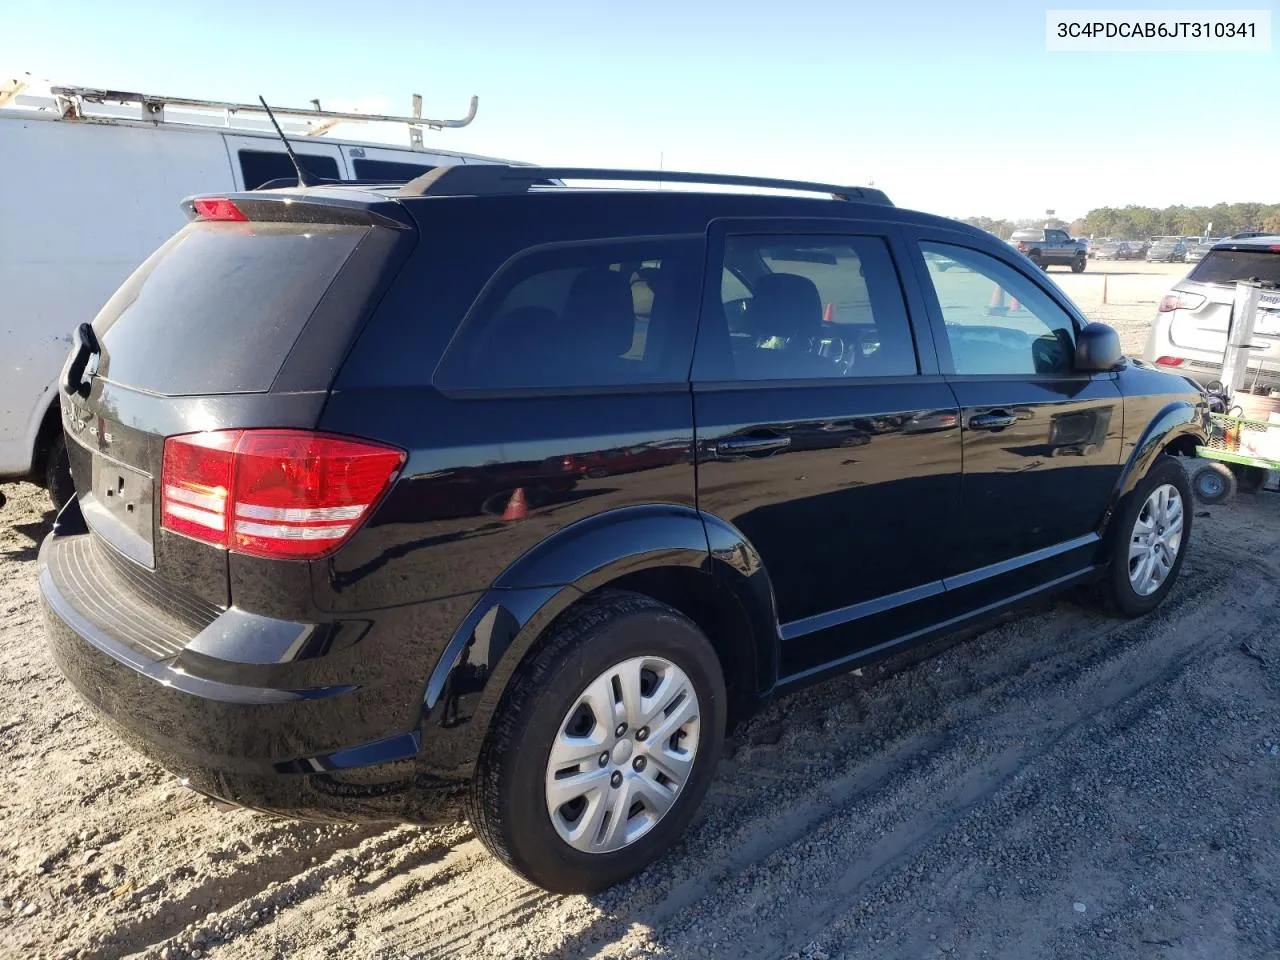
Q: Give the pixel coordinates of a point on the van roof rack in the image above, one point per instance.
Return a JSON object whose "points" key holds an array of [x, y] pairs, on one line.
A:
{"points": [[494, 179], [70, 102]]}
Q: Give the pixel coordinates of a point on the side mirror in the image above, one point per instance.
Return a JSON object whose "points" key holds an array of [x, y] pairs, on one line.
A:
{"points": [[1098, 348]]}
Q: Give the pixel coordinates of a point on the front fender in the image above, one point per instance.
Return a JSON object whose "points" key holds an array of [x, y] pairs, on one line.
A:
{"points": [[1176, 419]]}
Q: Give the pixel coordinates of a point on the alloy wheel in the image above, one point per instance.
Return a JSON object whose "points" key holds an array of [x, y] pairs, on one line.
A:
{"points": [[1155, 539]]}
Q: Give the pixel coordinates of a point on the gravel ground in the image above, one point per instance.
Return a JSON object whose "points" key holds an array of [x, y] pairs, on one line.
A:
{"points": [[1064, 785]]}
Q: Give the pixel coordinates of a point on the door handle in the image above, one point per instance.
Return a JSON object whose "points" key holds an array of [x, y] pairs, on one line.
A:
{"points": [[751, 446], [993, 420]]}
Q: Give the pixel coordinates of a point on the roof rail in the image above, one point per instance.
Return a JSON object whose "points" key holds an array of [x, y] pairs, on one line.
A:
{"points": [[71, 102], [493, 179]]}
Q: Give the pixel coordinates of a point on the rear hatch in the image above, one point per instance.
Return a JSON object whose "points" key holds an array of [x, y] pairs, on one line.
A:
{"points": [[239, 321], [1204, 301]]}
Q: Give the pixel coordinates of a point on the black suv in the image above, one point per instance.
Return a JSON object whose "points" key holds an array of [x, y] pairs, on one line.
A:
{"points": [[490, 490]]}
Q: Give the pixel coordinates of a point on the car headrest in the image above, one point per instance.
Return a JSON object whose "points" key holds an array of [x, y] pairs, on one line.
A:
{"points": [[785, 305], [599, 316]]}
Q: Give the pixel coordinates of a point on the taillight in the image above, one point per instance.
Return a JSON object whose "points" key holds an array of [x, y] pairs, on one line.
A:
{"points": [[286, 494], [217, 208], [1022, 247], [1171, 361], [1180, 301]]}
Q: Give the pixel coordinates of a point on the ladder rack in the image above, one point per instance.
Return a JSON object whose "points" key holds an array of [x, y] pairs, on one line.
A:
{"points": [[70, 103]]}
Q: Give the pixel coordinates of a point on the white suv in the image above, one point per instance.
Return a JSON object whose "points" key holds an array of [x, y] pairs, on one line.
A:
{"points": [[1189, 334]]}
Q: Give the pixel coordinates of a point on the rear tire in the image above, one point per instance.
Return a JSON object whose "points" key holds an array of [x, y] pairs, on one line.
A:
{"points": [[510, 804], [1036, 259], [1214, 483], [57, 473], [1150, 539]]}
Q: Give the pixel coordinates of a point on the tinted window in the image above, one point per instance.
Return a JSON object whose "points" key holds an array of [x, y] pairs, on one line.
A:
{"points": [[218, 307], [583, 315], [392, 171], [1228, 266], [997, 320], [262, 166], [809, 307]]}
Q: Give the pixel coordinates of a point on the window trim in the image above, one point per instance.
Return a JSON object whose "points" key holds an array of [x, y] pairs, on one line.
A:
{"points": [[498, 280], [721, 230], [920, 235]]}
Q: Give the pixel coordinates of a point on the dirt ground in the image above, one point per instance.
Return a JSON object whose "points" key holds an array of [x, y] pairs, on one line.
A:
{"points": [[1064, 785]]}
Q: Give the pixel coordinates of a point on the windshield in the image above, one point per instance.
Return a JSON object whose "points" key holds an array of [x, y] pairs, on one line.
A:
{"points": [[1228, 266]]}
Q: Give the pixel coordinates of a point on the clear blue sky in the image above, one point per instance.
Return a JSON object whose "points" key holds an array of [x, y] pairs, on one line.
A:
{"points": [[953, 107]]}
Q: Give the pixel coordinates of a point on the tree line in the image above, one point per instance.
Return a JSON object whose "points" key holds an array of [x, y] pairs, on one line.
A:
{"points": [[1133, 222]]}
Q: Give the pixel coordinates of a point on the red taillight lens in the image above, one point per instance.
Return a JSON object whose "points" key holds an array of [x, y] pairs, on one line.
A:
{"points": [[1171, 361], [195, 484], [287, 494], [1180, 301], [218, 208], [1022, 247]]}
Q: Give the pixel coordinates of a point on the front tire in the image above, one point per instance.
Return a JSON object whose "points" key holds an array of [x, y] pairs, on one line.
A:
{"points": [[1152, 531], [603, 746], [1078, 265]]}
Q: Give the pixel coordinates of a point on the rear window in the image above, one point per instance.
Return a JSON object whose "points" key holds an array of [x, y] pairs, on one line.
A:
{"points": [[218, 307], [392, 171], [1228, 266], [262, 166]]}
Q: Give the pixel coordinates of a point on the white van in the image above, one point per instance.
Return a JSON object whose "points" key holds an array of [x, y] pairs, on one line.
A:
{"points": [[90, 184]]}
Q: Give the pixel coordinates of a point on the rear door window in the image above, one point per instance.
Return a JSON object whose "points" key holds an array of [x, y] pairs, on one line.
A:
{"points": [[1230, 266], [218, 308], [595, 314]]}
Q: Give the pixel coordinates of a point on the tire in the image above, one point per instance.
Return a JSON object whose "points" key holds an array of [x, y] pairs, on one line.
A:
{"points": [[509, 805], [1078, 265], [1121, 593], [57, 473], [1248, 479], [1214, 482], [1036, 259]]}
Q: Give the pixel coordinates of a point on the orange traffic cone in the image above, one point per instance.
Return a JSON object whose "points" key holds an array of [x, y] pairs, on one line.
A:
{"points": [[828, 315], [517, 508]]}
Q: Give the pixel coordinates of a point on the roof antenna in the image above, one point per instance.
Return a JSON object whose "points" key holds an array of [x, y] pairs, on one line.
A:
{"points": [[302, 176]]}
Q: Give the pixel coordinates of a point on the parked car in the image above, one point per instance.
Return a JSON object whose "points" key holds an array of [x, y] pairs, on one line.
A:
{"points": [[257, 583], [1196, 251], [1168, 250], [1189, 333], [1047, 247], [1091, 248], [1250, 234], [68, 150], [1117, 250]]}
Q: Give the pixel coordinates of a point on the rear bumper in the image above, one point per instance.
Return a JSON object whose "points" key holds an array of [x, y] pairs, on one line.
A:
{"points": [[314, 751]]}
